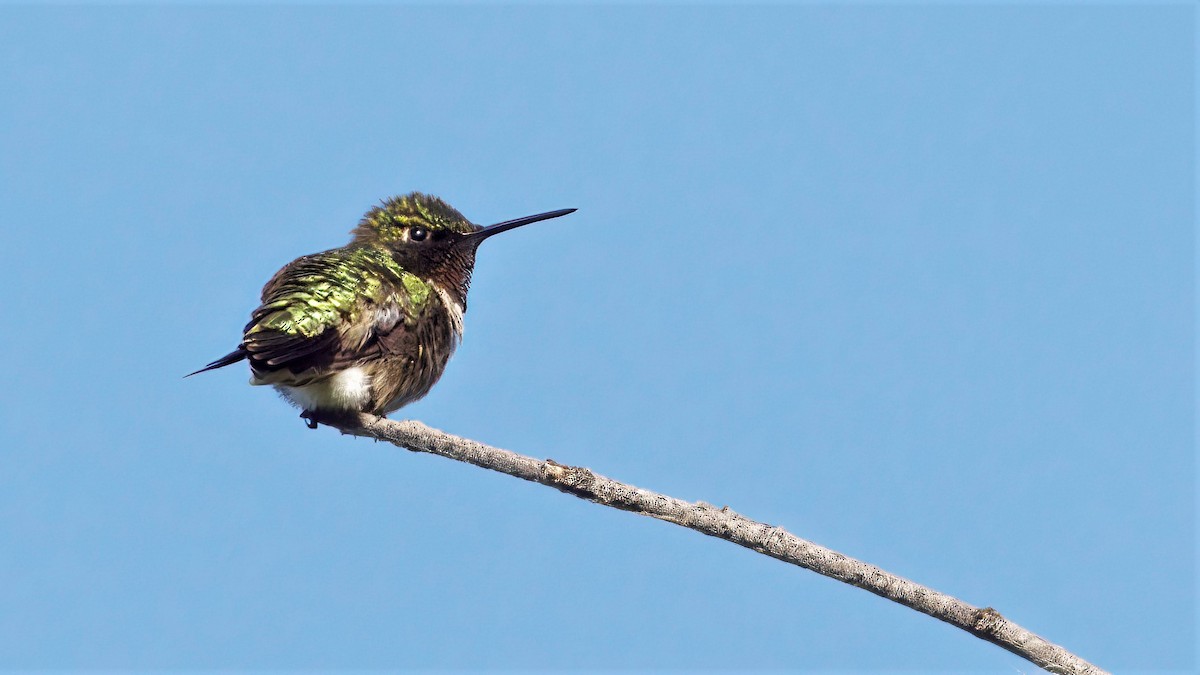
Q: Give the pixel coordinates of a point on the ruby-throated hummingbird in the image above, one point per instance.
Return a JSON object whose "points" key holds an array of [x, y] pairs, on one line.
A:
{"points": [[368, 327]]}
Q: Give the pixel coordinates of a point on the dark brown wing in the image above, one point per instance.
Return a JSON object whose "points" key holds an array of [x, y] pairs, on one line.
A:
{"points": [[317, 314]]}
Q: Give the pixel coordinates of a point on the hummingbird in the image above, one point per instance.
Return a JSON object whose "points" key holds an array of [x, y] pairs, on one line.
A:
{"points": [[368, 327]]}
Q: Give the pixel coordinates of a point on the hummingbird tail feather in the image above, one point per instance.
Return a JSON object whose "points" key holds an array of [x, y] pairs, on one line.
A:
{"points": [[230, 358]]}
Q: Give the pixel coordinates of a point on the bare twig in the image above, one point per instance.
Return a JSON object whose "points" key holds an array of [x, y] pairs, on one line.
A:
{"points": [[986, 623]]}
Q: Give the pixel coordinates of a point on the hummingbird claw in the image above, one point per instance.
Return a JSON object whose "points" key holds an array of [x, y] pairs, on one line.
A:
{"points": [[309, 419]]}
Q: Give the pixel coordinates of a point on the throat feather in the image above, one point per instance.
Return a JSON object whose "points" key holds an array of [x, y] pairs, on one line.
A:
{"points": [[455, 310]]}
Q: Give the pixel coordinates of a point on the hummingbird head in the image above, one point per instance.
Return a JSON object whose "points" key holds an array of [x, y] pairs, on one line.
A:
{"points": [[431, 239]]}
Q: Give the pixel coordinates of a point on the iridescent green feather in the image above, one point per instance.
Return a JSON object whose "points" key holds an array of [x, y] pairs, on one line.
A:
{"points": [[324, 296], [389, 221]]}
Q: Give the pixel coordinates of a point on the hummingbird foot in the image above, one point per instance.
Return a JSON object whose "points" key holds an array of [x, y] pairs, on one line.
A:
{"points": [[331, 418]]}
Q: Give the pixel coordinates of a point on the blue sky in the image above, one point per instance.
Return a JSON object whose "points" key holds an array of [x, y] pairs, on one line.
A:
{"points": [[915, 282]]}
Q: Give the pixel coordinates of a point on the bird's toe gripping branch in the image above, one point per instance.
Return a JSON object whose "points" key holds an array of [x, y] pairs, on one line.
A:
{"points": [[338, 420]]}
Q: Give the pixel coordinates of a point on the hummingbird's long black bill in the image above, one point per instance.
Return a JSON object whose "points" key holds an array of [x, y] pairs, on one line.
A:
{"points": [[517, 222]]}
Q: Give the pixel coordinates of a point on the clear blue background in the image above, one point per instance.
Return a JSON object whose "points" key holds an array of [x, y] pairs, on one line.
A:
{"points": [[913, 282]]}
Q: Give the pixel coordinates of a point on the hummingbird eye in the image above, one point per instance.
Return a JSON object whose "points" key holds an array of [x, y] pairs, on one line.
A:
{"points": [[418, 233]]}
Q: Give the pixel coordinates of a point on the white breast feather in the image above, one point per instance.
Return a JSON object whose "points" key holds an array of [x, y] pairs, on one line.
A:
{"points": [[349, 389]]}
